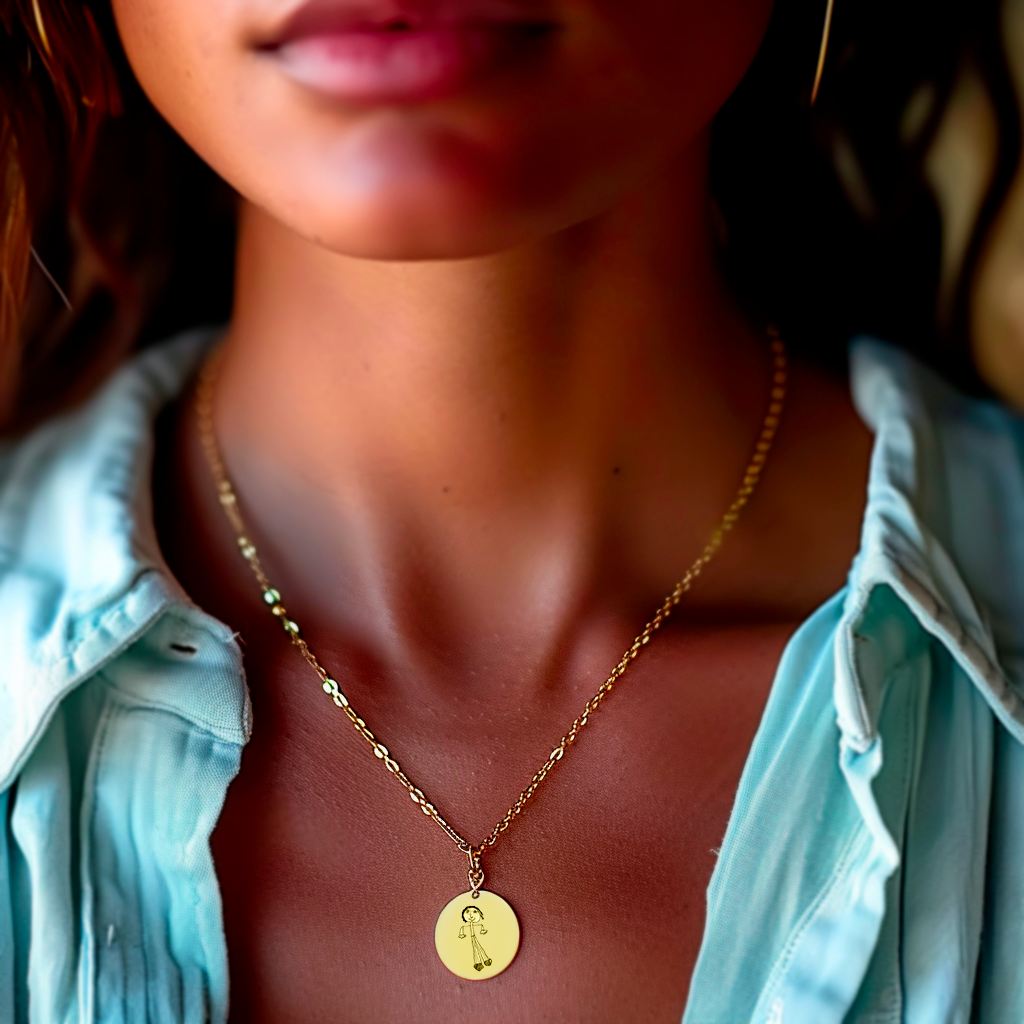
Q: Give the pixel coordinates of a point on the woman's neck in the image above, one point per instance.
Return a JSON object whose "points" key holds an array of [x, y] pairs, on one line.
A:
{"points": [[512, 436]]}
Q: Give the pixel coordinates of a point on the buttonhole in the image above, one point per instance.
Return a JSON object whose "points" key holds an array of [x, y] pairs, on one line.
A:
{"points": [[183, 648], [111, 933]]}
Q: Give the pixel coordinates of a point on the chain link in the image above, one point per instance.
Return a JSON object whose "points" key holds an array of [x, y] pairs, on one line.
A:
{"points": [[272, 597]]}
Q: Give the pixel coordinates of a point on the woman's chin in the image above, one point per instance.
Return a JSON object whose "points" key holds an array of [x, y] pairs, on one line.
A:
{"points": [[408, 196], [415, 236]]}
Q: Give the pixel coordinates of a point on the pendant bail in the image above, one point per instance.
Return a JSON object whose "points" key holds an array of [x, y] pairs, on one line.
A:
{"points": [[476, 871]]}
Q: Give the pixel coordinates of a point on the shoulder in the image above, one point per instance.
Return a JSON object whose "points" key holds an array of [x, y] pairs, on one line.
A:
{"points": [[949, 468], [944, 524], [80, 569], [936, 437], [77, 480]]}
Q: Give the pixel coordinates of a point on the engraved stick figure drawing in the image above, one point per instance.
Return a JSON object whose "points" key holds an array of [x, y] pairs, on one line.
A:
{"points": [[474, 918]]}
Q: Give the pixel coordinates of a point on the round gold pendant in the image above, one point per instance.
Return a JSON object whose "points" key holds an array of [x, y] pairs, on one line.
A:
{"points": [[477, 938]]}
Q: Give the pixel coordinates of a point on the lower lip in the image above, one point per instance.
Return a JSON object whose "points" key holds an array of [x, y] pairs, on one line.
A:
{"points": [[395, 66]]}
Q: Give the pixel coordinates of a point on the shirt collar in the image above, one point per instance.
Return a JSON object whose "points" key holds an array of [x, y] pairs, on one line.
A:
{"points": [[943, 528], [82, 577], [81, 573]]}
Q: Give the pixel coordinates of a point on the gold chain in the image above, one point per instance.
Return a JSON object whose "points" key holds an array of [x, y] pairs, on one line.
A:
{"points": [[229, 502]]}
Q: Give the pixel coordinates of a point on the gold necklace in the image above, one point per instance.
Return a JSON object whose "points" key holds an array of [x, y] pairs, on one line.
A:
{"points": [[478, 912]]}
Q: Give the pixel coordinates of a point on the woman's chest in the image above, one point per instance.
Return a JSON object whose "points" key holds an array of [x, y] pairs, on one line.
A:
{"points": [[332, 880]]}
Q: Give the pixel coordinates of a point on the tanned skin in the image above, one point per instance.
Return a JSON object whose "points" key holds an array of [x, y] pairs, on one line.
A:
{"points": [[484, 396]]}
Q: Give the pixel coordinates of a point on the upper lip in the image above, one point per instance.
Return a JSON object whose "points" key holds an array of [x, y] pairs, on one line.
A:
{"points": [[330, 17]]}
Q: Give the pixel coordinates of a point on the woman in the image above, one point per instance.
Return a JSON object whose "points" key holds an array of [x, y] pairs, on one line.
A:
{"points": [[483, 397]]}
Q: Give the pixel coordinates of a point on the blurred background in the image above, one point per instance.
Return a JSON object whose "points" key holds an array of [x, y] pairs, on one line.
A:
{"points": [[960, 167], [894, 207]]}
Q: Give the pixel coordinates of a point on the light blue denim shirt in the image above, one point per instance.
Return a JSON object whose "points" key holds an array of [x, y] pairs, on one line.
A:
{"points": [[873, 868]]}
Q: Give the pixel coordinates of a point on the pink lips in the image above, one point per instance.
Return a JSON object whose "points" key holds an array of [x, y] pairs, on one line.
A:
{"points": [[398, 59]]}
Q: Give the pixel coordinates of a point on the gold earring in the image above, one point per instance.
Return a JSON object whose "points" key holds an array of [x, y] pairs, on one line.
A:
{"points": [[41, 27], [824, 50]]}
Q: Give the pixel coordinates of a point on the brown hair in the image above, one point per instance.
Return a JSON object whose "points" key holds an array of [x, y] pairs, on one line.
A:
{"points": [[56, 87], [97, 194]]}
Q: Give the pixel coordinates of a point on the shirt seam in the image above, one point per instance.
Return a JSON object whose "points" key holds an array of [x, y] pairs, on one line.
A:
{"points": [[132, 701]]}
